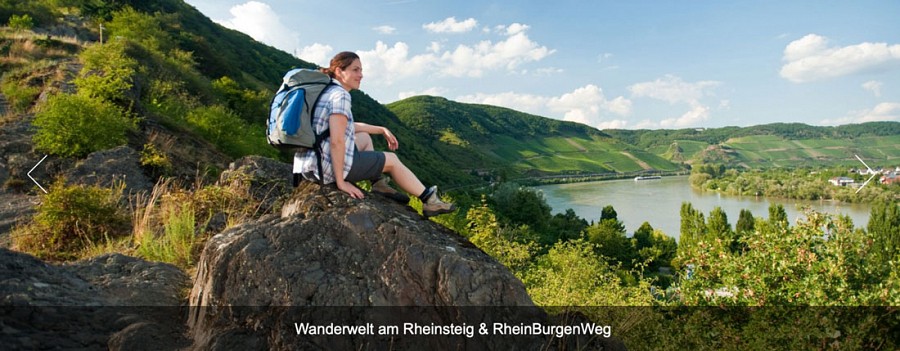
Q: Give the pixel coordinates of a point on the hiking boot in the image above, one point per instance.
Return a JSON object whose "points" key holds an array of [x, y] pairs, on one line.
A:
{"points": [[432, 204], [382, 188]]}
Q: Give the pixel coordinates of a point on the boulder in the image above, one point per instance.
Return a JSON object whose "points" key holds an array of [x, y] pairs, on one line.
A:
{"points": [[104, 168], [111, 302], [329, 259], [267, 180]]}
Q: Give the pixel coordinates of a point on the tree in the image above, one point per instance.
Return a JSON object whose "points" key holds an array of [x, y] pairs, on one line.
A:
{"points": [[693, 230], [884, 229], [719, 229], [609, 235], [497, 241], [745, 226], [745, 222], [643, 236], [717, 224], [693, 225], [570, 274], [654, 246], [564, 227], [521, 205], [777, 215], [608, 212]]}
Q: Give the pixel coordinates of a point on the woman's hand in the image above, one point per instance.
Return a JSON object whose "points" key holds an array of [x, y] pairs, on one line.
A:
{"points": [[392, 142], [350, 189]]}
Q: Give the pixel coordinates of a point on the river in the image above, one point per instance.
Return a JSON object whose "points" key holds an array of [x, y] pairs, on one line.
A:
{"points": [[659, 203]]}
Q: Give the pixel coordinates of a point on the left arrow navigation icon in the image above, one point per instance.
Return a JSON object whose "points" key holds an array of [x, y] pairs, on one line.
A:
{"points": [[32, 170]]}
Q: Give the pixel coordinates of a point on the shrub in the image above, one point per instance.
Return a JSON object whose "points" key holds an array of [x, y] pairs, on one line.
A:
{"points": [[70, 219], [157, 161], [75, 125], [20, 96], [224, 128], [108, 71], [20, 23]]}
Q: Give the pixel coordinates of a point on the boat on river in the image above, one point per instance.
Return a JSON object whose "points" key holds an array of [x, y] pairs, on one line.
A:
{"points": [[639, 178]]}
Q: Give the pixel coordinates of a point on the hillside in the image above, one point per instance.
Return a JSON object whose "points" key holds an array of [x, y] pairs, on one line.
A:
{"points": [[501, 141], [773, 145]]}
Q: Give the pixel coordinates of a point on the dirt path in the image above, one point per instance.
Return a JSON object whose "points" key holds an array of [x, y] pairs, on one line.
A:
{"points": [[643, 164], [576, 145]]}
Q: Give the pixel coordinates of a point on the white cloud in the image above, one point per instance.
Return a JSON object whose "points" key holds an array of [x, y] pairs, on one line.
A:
{"points": [[261, 23], [613, 124], [548, 71], [513, 29], [586, 105], [319, 54], [873, 86], [474, 60], [811, 58], [697, 114], [433, 91], [434, 47], [450, 25], [885, 111], [674, 90], [390, 64], [385, 29], [646, 124], [603, 57], [386, 64]]}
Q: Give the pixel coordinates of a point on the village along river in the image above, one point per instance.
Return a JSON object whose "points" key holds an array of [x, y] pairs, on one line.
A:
{"points": [[659, 203]]}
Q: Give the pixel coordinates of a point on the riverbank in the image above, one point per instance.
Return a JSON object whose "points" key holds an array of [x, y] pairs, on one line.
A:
{"points": [[658, 202]]}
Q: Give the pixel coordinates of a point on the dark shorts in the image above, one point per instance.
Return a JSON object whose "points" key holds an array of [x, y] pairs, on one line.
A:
{"points": [[367, 165]]}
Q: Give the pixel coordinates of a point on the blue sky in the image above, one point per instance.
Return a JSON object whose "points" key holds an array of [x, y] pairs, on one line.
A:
{"points": [[607, 64]]}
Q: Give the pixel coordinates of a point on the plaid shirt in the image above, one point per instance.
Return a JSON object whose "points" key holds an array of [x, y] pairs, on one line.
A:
{"points": [[334, 100]]}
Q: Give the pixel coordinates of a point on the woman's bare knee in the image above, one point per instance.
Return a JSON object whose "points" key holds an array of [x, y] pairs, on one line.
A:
{"points": [[364, 142], [391, 161]]}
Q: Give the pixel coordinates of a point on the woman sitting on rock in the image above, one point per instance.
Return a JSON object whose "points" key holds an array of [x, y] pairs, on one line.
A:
{"points": [[349, 145]]}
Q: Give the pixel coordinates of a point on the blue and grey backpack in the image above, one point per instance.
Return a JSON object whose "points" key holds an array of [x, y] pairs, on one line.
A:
{"points": [[289, 126]]}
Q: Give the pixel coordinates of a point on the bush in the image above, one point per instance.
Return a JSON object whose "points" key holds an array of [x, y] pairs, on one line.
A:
{"points": [[108, 71], [20, 96], [71, 219], [157, 161], [224, 128], [75, 125], [20, 23]]}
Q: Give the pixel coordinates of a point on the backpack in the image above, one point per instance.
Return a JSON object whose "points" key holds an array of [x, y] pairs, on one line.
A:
{"points": [[289, 126], [290, 114]]}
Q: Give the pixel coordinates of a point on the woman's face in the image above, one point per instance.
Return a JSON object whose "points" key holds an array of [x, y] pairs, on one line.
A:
{"points": [[350, 77]]}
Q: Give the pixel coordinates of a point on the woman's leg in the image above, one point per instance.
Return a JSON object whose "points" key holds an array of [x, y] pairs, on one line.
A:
{"points": [[364, 142], [402, 175]]}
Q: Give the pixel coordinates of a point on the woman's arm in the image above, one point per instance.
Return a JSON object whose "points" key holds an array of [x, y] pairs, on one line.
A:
{"points": [[337, 125], [392, 142]]}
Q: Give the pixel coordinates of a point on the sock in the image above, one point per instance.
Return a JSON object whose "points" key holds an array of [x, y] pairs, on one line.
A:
{"points": [[426, 194]]}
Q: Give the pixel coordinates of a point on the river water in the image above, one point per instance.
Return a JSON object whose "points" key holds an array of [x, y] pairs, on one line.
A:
{"points": [[659, 203]]}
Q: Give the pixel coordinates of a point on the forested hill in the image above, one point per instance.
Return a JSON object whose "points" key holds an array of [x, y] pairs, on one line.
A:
{"points": [[501, 141], [772, 145]]}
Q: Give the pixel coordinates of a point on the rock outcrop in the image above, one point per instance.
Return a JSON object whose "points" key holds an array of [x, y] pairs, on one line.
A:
{"points": [[325, 260], [256, 280], [106, 168], [267, 181], [110, 302]]}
